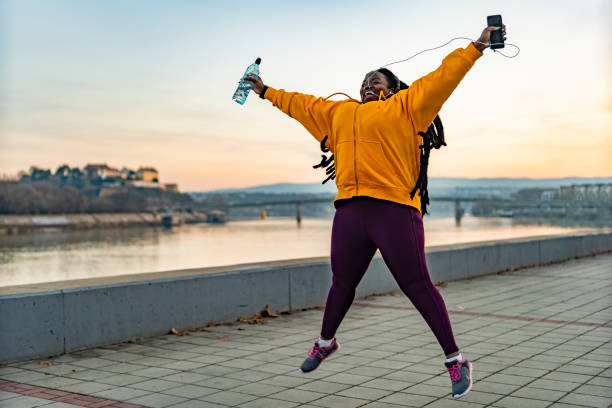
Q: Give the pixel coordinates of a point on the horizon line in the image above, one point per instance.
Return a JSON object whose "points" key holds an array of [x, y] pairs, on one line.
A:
{"points": [[451, 178]]}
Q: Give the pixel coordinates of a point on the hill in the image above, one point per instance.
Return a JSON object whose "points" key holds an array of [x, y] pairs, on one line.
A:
{"points": [[438, 186]]}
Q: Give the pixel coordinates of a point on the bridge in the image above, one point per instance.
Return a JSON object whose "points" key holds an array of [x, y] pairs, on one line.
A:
{"points": [[503, 207], [459, 211]]}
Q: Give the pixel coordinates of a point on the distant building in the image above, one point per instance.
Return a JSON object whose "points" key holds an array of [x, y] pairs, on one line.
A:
{"points": [[548, 195], [127, 174], [172, 187], [148, 174], [586, 192], [102, 171]]}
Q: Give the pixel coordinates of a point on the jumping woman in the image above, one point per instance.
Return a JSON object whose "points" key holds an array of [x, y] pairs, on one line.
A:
{"points": [[380, 149]]}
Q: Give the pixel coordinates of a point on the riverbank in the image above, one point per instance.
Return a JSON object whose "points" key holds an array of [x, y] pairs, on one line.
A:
{"points": [[16, 224]]}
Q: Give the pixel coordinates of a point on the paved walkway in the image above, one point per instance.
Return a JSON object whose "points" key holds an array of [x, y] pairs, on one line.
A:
{"points": [[538, 337]]}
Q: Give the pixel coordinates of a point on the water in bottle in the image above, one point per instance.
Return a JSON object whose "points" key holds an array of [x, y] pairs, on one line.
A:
{"points": [[245, 86]]}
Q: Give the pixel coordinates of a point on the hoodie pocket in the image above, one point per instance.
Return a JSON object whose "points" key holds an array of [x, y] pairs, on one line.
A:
{"points": [[344, 159], [374, 166]]}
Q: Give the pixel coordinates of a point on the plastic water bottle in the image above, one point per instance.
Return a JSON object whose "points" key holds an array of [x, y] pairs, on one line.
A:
{"points": [[245, 86]]}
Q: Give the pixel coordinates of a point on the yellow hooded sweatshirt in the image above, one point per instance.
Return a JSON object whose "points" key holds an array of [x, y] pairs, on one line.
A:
{"points": [[376, 144]]}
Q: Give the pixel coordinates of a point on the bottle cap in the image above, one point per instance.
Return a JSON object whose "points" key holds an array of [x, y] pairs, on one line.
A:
{"points": [[258, 61]]}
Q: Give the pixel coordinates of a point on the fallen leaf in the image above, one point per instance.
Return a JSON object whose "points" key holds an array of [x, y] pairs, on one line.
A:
{"points": [[267, 312], [460, 307], [193, 329], [46, 363], [211, 324], [178, 332], [440, 284], [258, 318], [398, 295], [223, 337]]}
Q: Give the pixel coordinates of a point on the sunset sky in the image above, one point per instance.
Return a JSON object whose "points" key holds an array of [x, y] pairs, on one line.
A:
{"points": [[135, 83]]}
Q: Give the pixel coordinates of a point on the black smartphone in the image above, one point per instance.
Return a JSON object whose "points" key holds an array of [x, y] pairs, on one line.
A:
{"points": [[497, 38]]}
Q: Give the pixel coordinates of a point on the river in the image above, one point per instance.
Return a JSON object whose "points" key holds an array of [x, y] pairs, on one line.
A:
{"points": [[61, 255], [49, 256]]}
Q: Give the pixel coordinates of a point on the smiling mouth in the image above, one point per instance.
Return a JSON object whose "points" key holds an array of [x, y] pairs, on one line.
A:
{"points": [[369, 93]]}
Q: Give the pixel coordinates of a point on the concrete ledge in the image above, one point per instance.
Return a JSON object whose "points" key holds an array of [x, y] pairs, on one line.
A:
{"points": [[21, 223], [31, 325], [153, 307], [48, 323]]}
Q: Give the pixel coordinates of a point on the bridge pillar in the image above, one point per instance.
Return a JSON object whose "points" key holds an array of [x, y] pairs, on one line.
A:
{"points": [[458, 212], [298, 216]]}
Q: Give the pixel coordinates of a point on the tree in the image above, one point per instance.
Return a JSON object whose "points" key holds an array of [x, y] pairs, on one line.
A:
{"points": [[39, 174], [63, 171]]}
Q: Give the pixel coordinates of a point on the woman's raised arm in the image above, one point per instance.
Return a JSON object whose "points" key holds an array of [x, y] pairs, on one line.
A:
{"points": [[427, 94], [314, 113]]}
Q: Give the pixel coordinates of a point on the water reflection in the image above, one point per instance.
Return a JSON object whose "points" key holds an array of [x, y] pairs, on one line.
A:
{"points": [[58, 238]]}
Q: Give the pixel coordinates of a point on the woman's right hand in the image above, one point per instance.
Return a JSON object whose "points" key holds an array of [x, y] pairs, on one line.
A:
{"points": [[257, 83]]}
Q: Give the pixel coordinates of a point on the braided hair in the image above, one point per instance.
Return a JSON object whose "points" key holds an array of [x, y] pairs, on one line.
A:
{"points": [[327, 162], [433, 137]]}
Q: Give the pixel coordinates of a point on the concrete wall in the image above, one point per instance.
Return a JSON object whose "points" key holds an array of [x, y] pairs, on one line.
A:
{"points": [[43, 324], [21, 223]]}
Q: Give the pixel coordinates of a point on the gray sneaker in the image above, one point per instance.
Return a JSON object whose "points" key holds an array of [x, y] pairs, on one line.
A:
{"points": [[317, 355], [461, 376]]}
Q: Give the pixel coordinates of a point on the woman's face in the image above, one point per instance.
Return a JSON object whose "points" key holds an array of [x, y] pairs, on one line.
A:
{"points": [[371, 86]]}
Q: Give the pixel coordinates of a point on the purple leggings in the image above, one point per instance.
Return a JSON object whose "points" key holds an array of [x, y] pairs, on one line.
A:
{"points": [[363, 224]]}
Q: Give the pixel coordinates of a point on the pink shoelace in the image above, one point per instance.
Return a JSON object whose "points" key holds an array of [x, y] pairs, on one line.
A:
{"points": [[454, 372], [316, 351]]}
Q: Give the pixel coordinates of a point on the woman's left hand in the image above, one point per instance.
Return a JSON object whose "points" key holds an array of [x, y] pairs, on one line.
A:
{"points": [[485, 37]]}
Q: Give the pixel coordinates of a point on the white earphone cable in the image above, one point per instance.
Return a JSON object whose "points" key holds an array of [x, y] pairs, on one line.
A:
{"points": [[458, 38]]}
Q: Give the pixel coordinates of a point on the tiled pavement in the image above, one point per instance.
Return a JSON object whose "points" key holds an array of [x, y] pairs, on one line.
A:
{"points": [[538, 337]]}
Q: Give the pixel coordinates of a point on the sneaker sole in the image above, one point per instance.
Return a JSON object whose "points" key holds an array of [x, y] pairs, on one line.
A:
{"points": [[330, 354], [470, 386]]}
